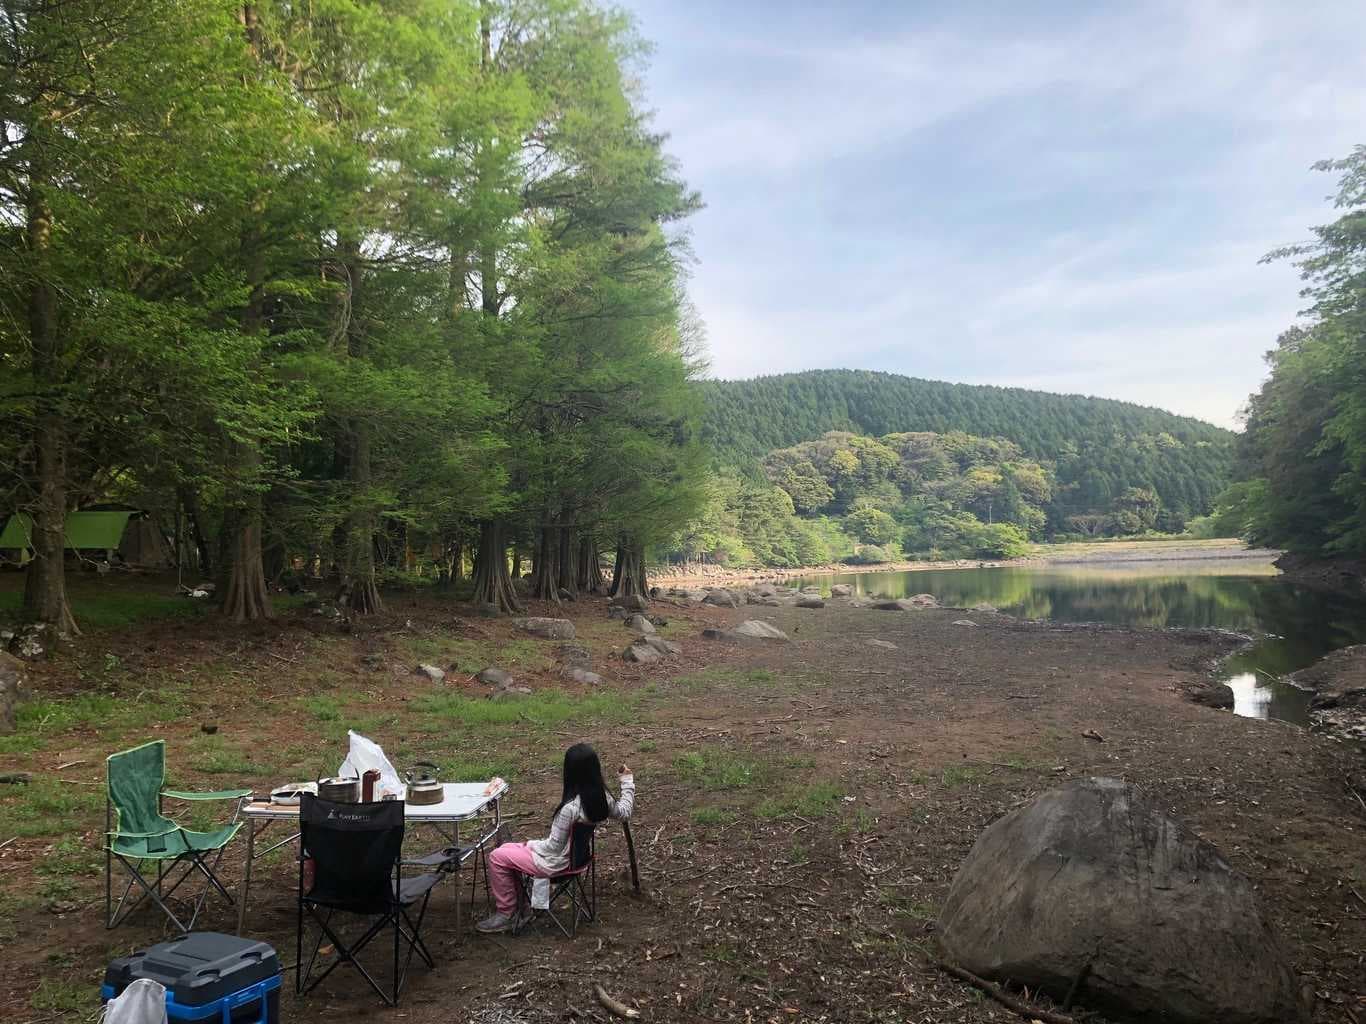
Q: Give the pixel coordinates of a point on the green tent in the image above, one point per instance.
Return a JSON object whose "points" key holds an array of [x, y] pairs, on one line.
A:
{"points": [[84, 530]]}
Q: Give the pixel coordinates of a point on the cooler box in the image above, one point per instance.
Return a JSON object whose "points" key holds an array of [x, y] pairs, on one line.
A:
{"points": [[208, 977]]}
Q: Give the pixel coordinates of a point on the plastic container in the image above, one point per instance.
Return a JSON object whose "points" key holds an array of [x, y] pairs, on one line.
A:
{"points": [[208, 977]]}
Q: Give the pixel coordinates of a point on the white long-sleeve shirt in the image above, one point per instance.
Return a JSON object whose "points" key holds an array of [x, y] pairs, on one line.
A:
{"points": [[552, 853]]}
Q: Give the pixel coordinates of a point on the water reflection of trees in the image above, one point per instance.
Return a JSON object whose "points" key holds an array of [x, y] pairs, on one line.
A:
{"points": [[1307, 623]]}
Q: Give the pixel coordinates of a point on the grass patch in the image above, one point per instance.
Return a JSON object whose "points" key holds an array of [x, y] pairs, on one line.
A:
{"points": [[810, 801], [713, 816], [474, 769], [959, 775], [211, 756], [45, 806], [543, 709], [722, 676], [647, 746], [715, 769]]}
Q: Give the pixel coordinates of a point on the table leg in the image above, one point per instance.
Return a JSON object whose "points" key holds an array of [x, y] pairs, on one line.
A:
{"points": [[459, 935], [246, 877]]}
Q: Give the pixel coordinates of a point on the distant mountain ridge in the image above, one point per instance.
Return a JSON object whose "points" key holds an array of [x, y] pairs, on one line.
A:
{"points": [[1099, 446]]}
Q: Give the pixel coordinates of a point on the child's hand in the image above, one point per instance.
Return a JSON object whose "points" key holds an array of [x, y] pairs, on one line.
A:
{"points": [[624, 771]]}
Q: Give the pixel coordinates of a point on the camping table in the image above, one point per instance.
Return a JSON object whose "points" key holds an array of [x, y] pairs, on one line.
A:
{"points": [[461, 802]]}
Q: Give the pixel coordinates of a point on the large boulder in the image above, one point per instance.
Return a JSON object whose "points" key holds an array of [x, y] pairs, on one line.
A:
{"points": [[432, 672], [494, 676], [551, 629], [841, 590], [1093, 877], [810, 601], [722, 599], [641, 654]]}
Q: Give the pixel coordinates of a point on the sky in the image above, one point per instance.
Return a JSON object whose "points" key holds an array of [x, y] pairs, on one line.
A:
{"points": [[1069, 197]]}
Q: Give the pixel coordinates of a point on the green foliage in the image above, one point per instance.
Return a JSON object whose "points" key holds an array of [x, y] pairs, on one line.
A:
{"points": [[1302, 457]]}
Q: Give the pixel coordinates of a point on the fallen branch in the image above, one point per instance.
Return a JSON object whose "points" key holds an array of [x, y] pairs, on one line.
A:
{"points": [[614, 1006], [1018, 1006], [8, 841], [68, 764]]}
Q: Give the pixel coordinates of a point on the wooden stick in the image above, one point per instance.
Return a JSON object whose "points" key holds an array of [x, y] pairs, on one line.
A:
{"points": [[1009, 1002], [614, 1006], [631, 853]]}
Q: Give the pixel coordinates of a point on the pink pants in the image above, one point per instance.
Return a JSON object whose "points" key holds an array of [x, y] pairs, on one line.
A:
{"points": [[505, 864]]}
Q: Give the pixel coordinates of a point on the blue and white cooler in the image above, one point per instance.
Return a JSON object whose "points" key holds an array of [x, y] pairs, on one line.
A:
{"points": [[208, 977]]}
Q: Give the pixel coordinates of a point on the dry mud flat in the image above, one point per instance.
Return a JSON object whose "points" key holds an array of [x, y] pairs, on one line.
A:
{"points": [[802, 809]]}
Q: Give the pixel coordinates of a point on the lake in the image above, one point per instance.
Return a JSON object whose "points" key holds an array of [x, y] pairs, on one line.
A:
{"points": [[1293, 625]]}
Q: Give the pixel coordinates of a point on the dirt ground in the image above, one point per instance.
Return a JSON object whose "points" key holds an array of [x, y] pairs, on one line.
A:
{"points": [[802, 807]]}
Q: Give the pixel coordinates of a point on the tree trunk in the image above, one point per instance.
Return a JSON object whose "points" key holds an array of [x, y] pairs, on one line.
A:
{"points": [[545, 566], [589, 575], [457, 560], [359, 589], [246, 599], [189, 500], [492, 585], [45, 581], [569, 560], [628, 575]]}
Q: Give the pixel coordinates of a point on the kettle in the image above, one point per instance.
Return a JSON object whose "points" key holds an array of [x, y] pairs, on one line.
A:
{"points": [[423, 787]]}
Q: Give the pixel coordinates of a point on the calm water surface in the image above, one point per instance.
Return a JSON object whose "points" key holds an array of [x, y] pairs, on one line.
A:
{"points": [[1293, 626]]}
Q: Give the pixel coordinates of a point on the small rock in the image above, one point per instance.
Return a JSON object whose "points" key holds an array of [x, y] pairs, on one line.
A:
{"points": [[964, 622], [550, 629], [616, 611], [722, 599], [711, 633], [983, 607], [884, 644], [208, 728], [810, 602], [494, 676], [574, 655], [841, 590], [582, 675], [757, 629], [661, 645], [510, 693], [641, 654], [29, 642], [640, 624], [433, 673]]}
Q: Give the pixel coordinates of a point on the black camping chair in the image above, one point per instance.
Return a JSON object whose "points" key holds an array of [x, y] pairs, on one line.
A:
{"points": [[357, 869], [576, 887]]}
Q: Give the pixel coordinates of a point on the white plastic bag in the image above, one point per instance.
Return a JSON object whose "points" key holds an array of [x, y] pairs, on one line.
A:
{"points": [[366, 754], [540, 894], [142, 1002]]}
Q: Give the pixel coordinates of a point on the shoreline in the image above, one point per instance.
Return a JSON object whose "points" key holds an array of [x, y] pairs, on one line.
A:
{"points": [[1114, 553]]}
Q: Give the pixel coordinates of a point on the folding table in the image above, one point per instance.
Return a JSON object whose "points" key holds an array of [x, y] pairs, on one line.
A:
{"points": [[461, 802]]}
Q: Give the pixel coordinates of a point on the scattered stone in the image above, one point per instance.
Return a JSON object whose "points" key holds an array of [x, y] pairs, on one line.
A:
{"points": [[711, 633], [984, 607], [494, 676], [12, 684], [695, 596], [640, 624], [1211, 695], [841, 590], [510, 693], [884, 644], [641, 654], [766, 602], [810, 602], [1091, 734], [722, 599], [575, 655], [810, 590], [582, 675], [550, 629], [907, 604], [29, 641], [433, 673], [661, 645], [964, 622], [632, 602], [208, 728], [757, 629], [1090, 874], [206, 587], [923, 601], [616, 611]]}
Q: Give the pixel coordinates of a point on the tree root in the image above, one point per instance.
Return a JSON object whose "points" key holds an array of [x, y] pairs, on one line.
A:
{"points": [[614, 1006], [1008, 1001]]}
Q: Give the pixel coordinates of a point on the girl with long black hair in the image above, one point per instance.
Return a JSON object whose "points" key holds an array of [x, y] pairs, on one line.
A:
{"points": [[585, 799]]}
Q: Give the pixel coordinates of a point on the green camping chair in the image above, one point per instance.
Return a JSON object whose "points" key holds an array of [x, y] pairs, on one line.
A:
{"points": [[137, 833]]}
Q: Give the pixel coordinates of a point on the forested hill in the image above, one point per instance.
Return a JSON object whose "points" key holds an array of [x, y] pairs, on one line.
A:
{"points": [[1099, 446]]}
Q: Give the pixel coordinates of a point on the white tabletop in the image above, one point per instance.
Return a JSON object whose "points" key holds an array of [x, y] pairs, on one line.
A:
{"points": [[460, 801]]}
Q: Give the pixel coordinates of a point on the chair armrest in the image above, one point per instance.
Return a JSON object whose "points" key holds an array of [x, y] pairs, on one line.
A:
{"points": [[224, 794], [144, 835]]}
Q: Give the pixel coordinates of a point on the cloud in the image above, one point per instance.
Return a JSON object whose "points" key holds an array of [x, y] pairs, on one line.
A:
{"points": [[1074, 200]]}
